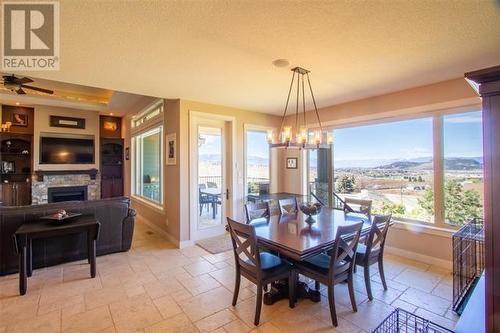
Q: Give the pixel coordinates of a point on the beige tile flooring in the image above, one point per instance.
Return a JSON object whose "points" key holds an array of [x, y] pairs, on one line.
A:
{"points": [[157, 288]]}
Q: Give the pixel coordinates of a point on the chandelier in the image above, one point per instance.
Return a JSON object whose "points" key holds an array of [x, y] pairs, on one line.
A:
{"points": [[300, 136]]}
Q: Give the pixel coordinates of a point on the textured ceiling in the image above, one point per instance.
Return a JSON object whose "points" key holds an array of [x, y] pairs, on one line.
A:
{"points": [[221, 51]]}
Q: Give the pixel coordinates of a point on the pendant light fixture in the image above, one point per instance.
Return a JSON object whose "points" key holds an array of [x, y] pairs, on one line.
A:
{"points": [[299, 136]]}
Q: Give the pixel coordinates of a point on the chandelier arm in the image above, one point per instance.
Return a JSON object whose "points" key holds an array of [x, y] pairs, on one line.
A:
{"points": [[297, 105], [314, 102], [286, 105], [303, 101]]}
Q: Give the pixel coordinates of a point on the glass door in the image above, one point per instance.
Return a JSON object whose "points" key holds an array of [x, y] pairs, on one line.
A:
{"points": [[208, 209]]}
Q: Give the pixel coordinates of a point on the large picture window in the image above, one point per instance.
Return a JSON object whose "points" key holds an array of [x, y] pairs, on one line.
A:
{"points": [[148, 164], [463, 167], [257, 162], [390, 164]]}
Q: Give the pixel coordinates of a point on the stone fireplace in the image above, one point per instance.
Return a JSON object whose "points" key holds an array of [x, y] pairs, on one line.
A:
{"points": [[53, 186]]}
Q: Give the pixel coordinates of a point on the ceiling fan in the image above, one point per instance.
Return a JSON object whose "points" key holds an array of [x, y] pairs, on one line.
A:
{"points": [[16, 85]]}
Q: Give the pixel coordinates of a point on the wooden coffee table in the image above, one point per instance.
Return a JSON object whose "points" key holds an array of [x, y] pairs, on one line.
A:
{"points": [[44, 229]]}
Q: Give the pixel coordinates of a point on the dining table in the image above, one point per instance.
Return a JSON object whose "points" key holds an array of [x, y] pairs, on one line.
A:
{"points": [[297, 237]]}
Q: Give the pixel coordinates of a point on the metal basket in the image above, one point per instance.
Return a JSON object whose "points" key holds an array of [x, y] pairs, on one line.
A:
{"points": [[401, 321]]}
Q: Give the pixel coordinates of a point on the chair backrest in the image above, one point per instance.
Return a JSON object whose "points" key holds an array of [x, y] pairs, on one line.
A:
{"points": [[202, 186], [211, 185], [343, 254], [257, 210], [246, 252], [360, 206], [375, 241], [288, 206]]}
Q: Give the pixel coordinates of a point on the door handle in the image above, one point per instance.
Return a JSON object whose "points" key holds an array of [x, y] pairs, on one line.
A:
{"points": [[227, 194]]}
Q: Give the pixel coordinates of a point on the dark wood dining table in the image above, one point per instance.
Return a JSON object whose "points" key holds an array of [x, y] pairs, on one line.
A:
{"points": [[293, 237]]}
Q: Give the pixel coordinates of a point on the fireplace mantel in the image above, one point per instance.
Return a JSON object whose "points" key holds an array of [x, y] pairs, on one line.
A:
{"points": [[40, 173]]}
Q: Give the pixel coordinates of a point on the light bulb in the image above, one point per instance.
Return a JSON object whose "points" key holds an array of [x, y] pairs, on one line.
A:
{"points": [[317, 138], [270, 136], [329, 138]]}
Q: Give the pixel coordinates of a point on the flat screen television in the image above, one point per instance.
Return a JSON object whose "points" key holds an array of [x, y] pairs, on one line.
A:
{"points": [[55, 150]]}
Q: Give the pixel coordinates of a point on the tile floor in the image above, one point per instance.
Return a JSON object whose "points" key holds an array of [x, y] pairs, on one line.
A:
{"points": [[157, 288]]}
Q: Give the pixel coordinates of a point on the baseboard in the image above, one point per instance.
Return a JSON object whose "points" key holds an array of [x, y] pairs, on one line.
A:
{"points": [[160, 231], [446, 264]]}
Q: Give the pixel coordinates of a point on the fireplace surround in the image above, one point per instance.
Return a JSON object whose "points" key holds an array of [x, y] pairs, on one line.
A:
{"points": [[65, 181]]}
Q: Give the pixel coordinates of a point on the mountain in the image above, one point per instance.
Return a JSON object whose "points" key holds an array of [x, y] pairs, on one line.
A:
{"points": [[452, 163]]}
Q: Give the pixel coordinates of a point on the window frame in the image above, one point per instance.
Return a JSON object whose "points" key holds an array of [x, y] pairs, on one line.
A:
{"points": [[152, 124], [437, 117], [254, 128]]}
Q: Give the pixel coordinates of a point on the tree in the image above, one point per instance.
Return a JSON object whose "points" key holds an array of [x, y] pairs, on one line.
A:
{"points": [[345, 184], [459, 205], [393, 208]]}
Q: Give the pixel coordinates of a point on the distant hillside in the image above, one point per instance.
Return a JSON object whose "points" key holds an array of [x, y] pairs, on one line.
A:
{"points": [[453, 163]]}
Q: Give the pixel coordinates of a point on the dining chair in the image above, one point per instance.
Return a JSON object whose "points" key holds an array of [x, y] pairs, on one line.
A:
{"points": [[211, 185], [360, 206], [257, 210], [203, 199], [288, 205], [335, 268], [260, 268], [372, 251]]}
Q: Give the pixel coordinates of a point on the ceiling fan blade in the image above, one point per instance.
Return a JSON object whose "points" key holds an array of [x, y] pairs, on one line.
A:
{"points": [[24, 80], [20, 91], [47, 91]]}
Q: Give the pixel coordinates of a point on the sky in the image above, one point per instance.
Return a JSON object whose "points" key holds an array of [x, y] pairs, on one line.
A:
{"points": [[400, 140], [409, 139]]}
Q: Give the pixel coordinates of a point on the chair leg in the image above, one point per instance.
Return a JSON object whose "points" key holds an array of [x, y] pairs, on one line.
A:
{"points": [[201, 209], [381, 272], [292, 286], [316, 285], [367, 282], [258, 306], [331, 301], [350, 285], [236, 288]]}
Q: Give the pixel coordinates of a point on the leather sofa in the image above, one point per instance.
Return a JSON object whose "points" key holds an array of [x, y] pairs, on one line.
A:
{"points": [[117, 228]]}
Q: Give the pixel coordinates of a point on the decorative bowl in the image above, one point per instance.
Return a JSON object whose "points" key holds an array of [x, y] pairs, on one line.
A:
{"points": [[310, 209]]}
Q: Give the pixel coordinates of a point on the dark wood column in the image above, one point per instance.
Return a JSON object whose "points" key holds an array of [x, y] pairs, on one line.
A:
{"points": [[489, 89]]}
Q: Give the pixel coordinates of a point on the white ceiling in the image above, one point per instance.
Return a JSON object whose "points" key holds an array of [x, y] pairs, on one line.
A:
{"points": [[221, 51]]}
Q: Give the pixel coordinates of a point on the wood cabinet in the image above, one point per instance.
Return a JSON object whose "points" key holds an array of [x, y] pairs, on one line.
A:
{"points": [[111, 168], [16, 194], [15, 168]]}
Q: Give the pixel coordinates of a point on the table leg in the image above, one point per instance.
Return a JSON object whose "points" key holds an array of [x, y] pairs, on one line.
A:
{"points": [[279, 290], [92, 254], [23, 278], [214, 206], [29, 257]]}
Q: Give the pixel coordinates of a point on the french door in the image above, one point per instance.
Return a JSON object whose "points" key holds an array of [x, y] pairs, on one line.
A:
{"points": [[209, 177]]}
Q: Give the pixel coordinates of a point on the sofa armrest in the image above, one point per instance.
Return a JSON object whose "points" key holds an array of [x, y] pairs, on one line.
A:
{"points": [[128, 229]]}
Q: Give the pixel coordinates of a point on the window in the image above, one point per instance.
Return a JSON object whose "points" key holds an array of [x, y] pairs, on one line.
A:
{"points": [[390, 164], [147, 115], [463, 167], [147, 158], [257, 162]]}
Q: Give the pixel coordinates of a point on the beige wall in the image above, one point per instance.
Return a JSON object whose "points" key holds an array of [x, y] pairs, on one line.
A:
{"points": [[174, 220], [42, 125]]}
